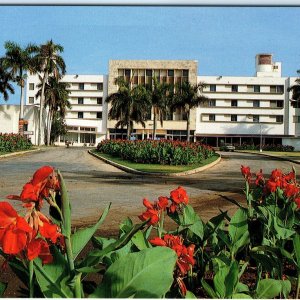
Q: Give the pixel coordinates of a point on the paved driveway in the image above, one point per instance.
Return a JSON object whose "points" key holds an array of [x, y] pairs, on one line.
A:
{"points": [[92, 184]]}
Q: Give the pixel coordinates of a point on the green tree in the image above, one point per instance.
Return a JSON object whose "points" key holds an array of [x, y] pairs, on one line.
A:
{"points": [[187, 97], [48, 62], [128, 105], [159, 93], [56, 100], [17, 61], [5, 83], [59, 127], [295, 92]]}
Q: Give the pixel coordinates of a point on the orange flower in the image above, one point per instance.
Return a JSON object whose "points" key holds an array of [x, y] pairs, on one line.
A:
{"points": [[291, 190], [178, 196], [39, 248], [14, 230]]}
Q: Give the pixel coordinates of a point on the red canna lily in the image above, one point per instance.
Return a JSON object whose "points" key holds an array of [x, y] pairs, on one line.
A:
{"points": [[39, 248], [297, 201], [14, 230], [151, 214], [246, 172], [179, 195], [291, 190]]}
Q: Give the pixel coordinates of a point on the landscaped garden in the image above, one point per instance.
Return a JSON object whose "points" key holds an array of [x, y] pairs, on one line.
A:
{"points": [[13, 142], [253, 253], [161, 156]]}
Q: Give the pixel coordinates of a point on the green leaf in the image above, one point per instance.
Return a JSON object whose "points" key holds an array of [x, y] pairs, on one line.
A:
{"points": [[241, 288], [140, 241], [282, 233], [190, 295], [81, 237], [221, 271], [238, 225], [286, 288], [296, 242], [231, 279], [208, 289], [53, 278], [145, 274], [268, 288], [241, 296], [3, 287], [125, 226]]}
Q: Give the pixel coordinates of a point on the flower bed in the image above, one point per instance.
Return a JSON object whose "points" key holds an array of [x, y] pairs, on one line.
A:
{"points": [[280, 148], [253, 254], [163, 152], [13, 142]]}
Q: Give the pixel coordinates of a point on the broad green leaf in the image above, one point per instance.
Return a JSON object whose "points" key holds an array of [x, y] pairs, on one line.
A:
{"points": [[3, 287], [238, 225], [286, 288], [190, 295], [81, 237], [241, 242], [140, 241], [53, 278], [213, 224], [145, 274], [221, 271], [282, 233], [268, 288], [241, 296], [231, 279], [241, 288], [125, 226], [208, 289], [296, 242]]}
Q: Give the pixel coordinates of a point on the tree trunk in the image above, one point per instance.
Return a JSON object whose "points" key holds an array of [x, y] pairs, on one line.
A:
{"points": [[41, 107], [154, 123], [22, 103], [49, 126], [188, 126], [128, 131]]}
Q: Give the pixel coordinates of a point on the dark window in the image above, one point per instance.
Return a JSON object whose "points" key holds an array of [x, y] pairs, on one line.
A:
{"points": [[81, 86], [234, 103], [279, 119], [212, 88], [80, 115], [256, 88], [234, 88], [31, 100], [255, 119], [212, 117], [185, 73], [279, 103], [80, 100], [99, 115], [212, 102], [233, 118], [278, 89], [31, 86], [99, 100], [100, 86], [170, 73], [127, 72], [149, 72], [256, 103]]}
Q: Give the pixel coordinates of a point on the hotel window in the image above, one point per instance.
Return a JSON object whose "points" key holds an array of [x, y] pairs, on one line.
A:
{"points": [[233, 118], [127, 72], [185, 73], [212, 88], [100, 86], [255, 119], [99, 115], [279, 119], [234, 103], [276, 103], [256, 103], [31, 100], [256, 88], [99, 101], [80, 100], [296, 119], [277, 89], [81, 86], [80, 115], [212, 117], [149, 72], [235, 88], [31, 86], [212, 102], [171, 73]]}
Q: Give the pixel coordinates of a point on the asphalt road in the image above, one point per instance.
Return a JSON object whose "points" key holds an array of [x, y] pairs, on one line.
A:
{"points": [[92, 184]]}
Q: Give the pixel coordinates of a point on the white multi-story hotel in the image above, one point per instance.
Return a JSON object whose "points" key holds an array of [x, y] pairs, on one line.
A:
{"points": [[238, 109]]}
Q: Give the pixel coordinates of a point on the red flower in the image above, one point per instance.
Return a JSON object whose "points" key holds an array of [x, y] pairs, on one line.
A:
{"points": [[179, 196], [297, 201], [13, 230], [151, 214], [39, 248], [271, 185], [259, 178], [291, 190], [163, 202], [246, 172]]}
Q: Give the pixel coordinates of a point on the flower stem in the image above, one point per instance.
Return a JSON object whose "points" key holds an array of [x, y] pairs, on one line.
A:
{"points": [[31, 283], [161, 224]]}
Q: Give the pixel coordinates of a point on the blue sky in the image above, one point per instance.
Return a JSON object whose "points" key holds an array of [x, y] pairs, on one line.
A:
{"points": [[224, 40]]}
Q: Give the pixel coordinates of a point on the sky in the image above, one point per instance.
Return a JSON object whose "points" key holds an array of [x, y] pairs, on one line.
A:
{"points": [[224, 40]]}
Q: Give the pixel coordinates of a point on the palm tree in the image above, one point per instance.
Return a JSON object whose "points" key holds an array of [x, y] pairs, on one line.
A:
{"points": [[56, 100], [159, 101], [128, 105], [188, 96], [5, 85], [48, 61], [18, 61], [296, 92]]}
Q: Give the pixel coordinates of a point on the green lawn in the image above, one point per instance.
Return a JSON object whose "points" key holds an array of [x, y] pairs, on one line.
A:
{"points": [[275, 153], [155, 168], [3, 153]]}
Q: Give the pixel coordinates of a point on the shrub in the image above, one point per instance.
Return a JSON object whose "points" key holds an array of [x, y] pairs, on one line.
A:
{"points": [[164, 152], [281, 148], [13, 142]]}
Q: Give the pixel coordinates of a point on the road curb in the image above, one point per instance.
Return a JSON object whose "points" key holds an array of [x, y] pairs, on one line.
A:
{"points": [[272, 156], [133, 171], [19, 153]]}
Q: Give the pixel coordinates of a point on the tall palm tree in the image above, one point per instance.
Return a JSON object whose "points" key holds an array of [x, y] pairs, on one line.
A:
{"points": [[296, 92], [56, 100], [5, 85], [128, 105], [159, 101], [48, 62], [18, 61], [188, 96]]}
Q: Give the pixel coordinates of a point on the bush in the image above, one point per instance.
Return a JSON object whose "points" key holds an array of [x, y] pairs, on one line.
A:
{"points": [[280, 148], [10, 142], [163, 152]]}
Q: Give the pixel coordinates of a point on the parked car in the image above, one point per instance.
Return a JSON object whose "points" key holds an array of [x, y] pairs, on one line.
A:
{"points": [[227, 147]]}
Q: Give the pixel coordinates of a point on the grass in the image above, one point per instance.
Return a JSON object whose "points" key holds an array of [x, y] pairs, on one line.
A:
{"points": [[156, 168], [7, 152], [275, 153]]}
